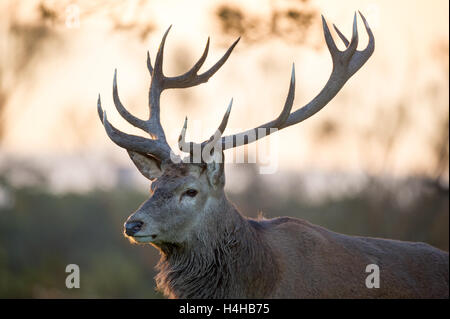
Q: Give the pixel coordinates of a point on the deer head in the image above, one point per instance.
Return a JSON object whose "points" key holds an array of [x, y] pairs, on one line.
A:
{"points": [[187, 194]]}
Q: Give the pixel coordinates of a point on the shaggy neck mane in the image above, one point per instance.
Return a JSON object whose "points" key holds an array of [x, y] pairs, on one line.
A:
{"points": [[228, 259]]}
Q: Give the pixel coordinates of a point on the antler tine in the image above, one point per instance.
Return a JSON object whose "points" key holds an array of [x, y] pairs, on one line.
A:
{"points": [[192, 73], [191, 78], [182, 144], [135, 143], [371, 45], [351, 48], [223, 124], [122, 110], [99, 109], [284, 115], [345, 64], [339, 33], [190, 146], [153, 125], [329, 39], [149, 64], [160, 55], [360, 57]]}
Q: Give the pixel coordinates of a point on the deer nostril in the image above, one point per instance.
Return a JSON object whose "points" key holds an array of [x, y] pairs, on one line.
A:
{"points": [[133, 227]]}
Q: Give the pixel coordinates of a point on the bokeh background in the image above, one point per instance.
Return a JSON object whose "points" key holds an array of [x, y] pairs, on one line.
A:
{"points": [[374, 162]]}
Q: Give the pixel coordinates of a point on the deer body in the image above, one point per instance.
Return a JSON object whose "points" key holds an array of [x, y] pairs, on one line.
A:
{"points": [[229, 256], [331, 265], [209, 250]]}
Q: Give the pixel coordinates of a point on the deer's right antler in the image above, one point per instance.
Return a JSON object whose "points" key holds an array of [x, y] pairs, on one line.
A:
{"points": [[157, 146], [345, 64]]}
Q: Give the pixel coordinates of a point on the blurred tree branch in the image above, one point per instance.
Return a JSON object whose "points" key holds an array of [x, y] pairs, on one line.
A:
{"points": [[289, 22]]}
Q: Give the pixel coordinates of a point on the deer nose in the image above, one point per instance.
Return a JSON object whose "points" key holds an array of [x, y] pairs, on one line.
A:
{"points": [[133, 227]]}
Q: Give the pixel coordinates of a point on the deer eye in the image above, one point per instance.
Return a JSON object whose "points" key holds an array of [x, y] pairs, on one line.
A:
{"points": [[190, 192]]}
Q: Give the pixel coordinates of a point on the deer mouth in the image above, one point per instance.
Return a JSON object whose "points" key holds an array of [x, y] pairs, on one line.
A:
{"points": [[144, 238]]}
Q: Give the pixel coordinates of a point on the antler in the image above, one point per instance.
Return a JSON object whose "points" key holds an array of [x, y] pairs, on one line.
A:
{"points": [[157, 146], [345, 64]]}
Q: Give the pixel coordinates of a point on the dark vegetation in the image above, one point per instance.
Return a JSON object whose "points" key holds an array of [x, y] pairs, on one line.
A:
{"points": [[41, 232]]}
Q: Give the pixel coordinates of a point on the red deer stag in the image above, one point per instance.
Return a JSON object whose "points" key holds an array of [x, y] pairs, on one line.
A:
{"points": [[209, 250]]}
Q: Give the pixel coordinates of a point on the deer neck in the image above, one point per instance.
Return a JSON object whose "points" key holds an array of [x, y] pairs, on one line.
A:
{"points": [[228, 258]]}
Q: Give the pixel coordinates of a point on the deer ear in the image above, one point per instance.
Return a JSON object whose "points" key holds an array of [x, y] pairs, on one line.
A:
{"points": [[215, 170], [148, 165]]}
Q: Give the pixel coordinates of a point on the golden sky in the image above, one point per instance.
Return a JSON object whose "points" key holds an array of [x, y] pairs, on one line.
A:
{"points": [[386, 119]]}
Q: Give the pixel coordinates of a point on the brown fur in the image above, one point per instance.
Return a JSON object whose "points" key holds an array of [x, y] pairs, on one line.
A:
{"points": [[318, 263], [209, 250]]}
